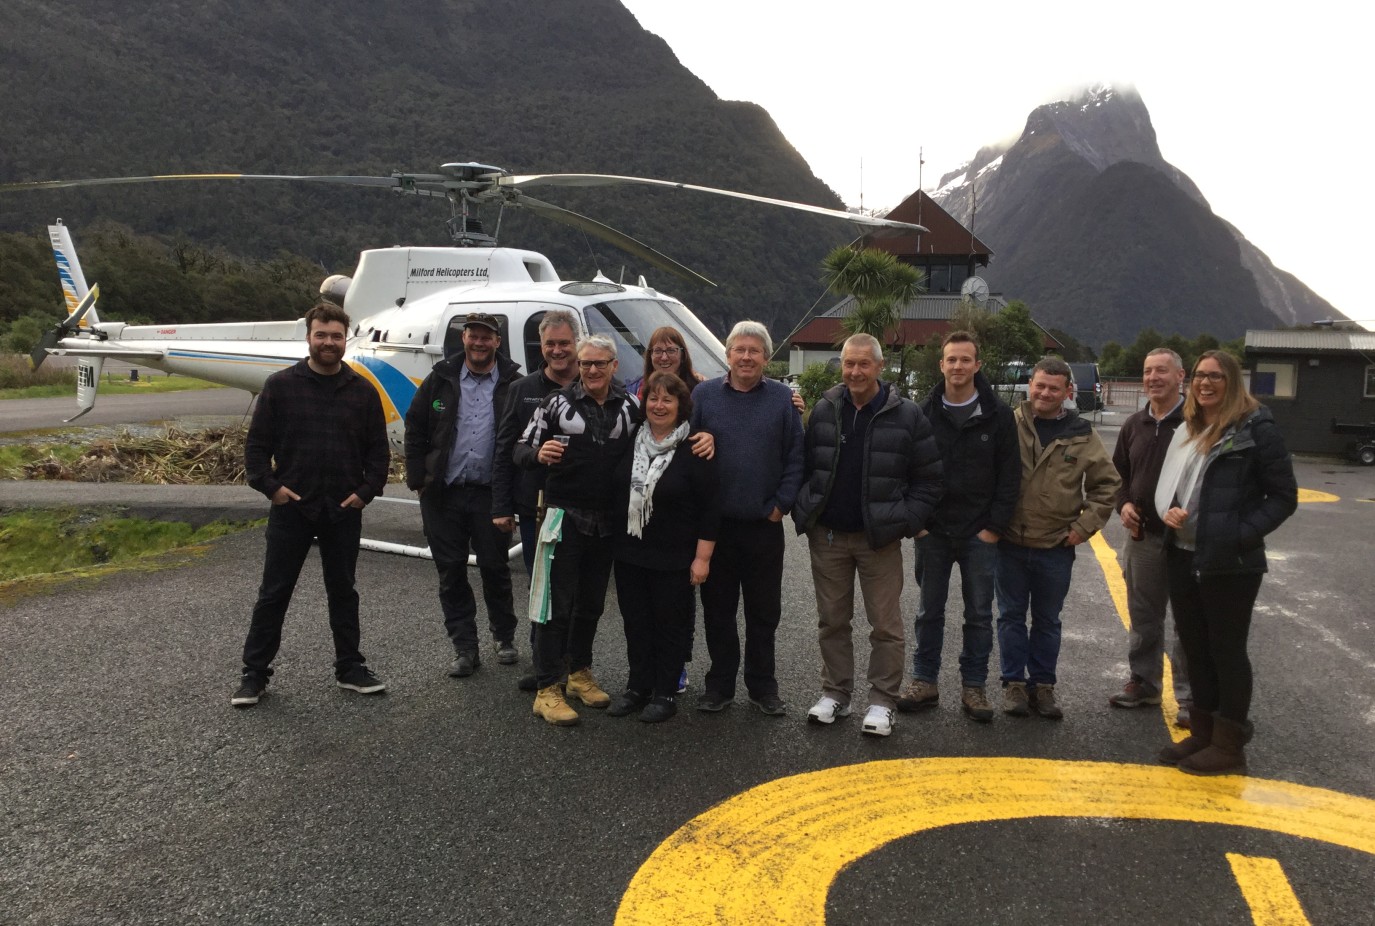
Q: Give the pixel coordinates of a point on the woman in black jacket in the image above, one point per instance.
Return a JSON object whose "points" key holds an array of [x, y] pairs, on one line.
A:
{"points": [[669, 500], [1227, 481]]}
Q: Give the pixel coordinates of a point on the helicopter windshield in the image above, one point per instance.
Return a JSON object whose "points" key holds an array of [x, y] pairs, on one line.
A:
{"points": [[630, 322]]}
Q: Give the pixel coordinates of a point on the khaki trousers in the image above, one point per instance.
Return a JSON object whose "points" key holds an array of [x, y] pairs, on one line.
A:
{"points": [[837, 558]]}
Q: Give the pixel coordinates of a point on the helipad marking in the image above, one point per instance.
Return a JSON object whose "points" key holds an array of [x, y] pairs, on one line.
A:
{"points": [[770, 855], [1266, 891], [1313, 495], [1117, 588]]}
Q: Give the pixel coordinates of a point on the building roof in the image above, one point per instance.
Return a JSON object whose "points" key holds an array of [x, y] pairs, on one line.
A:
{"points": [[947, 237], [928, 314], [1310, 341]]}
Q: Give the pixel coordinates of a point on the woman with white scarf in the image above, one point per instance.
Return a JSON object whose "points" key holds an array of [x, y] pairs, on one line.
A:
{"points": [[672, 514], [1226, 482]]}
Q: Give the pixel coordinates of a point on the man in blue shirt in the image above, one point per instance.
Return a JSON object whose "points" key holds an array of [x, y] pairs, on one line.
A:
{"points": [[759, 458], [450, 442]]}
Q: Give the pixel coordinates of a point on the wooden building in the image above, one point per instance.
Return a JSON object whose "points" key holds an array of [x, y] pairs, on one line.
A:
{"points": [[1307, 378]]}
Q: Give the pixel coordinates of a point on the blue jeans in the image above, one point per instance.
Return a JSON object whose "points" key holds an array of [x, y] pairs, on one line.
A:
{"points": [[1029, 578], [977, 561]]}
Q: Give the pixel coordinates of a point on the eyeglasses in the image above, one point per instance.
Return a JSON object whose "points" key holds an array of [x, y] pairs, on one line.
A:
{"points": [[593, 364], [666, 351], [1211, 376]]}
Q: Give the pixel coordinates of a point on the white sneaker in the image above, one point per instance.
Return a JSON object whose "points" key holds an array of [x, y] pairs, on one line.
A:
{"points": [[827, 710], [879, 721]]}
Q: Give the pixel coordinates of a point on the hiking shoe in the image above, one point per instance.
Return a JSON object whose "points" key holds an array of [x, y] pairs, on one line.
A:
{"points": [[683, 680], [827, 710], [550, 705], [917, 694], [1134, 694], [465, 665], [506, 653], [713, 702], [770, 704], [249, 691], [659, 710], [361, 680], [878, 721], [1042, 699], [582, 685], [627, 702], [1015, 700], [975, 703]]}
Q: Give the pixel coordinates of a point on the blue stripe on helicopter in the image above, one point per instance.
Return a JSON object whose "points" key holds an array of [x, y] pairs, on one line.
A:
{"points": [[64, 272], [233, 358], [396, 388]]}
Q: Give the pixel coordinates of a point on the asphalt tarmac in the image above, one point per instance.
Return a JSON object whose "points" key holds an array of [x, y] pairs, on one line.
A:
{"points": [[131, 792]]}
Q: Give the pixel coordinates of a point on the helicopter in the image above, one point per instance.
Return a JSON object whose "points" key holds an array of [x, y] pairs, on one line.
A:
{"points": [[408, 304]]}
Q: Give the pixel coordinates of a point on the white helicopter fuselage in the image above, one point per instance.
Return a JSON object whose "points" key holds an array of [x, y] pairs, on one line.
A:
{"points": [[407, 306]]}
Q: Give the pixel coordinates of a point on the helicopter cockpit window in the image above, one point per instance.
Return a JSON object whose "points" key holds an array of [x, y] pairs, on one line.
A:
{"points": [[630, 322]]}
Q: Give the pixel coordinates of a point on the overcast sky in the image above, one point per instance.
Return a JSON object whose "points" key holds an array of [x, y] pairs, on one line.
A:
{"points": [[1265, 106]]}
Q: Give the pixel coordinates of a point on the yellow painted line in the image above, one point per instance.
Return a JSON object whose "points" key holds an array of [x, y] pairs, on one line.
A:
{"points": [[1313, 495], [1266, 891], [770, 855], [1117, 588]]}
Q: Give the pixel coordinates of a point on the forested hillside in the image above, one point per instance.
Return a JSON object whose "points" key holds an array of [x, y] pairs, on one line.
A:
{"points": [[361, 86]]}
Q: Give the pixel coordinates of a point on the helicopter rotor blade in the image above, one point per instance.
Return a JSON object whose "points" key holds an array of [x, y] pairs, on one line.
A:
{"points": [[869, 223], [609, 234], [385, 182], [63, 328]]}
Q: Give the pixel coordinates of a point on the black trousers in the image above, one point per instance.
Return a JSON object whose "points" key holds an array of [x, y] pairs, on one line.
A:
{"points": [[289, 535], [578, 578], [457, 518], [657, 610], [748, 563], [1213, 619]]}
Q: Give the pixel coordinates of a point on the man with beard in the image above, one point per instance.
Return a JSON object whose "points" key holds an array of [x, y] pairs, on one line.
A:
{"points": [[451, 430], [317, 447], [515, 491]]}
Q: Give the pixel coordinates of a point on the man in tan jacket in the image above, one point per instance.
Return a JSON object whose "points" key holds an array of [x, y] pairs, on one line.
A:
{"points": [[1067, 493]]}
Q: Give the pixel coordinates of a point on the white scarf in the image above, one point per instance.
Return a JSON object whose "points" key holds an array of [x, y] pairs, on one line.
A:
{"points": [[651, 458]]}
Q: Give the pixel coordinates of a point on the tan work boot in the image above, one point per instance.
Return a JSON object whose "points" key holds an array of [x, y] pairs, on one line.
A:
{"points": [[550, 705], [917, 694], [1015, 700], [975, 703], [582, 685]]}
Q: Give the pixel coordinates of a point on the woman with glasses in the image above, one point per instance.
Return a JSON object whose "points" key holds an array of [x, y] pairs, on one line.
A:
{"points": [[1227, 481], [668, 352], [668, 498]]}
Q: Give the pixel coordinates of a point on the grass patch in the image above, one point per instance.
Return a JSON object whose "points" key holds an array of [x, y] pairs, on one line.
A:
{"points": [[146, 385], [42, 542]]}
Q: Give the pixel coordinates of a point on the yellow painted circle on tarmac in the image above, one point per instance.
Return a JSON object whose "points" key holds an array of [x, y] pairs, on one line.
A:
{"points": [[1313, 495], [770, 855]]}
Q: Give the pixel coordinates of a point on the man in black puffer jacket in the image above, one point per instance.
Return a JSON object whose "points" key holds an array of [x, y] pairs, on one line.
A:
{"points": [[872, 477]]}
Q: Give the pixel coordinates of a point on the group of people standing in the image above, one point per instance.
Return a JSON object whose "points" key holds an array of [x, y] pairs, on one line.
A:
{"points": [[681, 485]]}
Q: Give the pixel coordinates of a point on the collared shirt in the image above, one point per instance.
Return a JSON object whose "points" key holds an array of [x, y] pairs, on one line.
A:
{"points": [[475, 430]]}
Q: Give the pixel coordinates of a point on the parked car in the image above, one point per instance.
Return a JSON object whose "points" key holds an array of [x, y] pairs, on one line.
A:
{"points": [[1088, 386]]}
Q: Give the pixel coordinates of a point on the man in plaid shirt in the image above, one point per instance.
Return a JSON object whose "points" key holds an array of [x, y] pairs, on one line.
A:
{"points": [[317, 448]]}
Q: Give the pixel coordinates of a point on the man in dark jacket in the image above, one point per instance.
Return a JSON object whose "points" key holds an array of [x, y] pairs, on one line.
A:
{"points": [[872, 477], [451, 430], [1140, 451], [317, 447], [978, 444]]}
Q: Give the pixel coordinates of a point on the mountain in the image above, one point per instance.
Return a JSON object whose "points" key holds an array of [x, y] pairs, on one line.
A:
{"points": [[97, 89], [1102, 236]]}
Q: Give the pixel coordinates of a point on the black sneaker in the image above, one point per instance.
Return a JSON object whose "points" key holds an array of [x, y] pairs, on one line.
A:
{"points": [[527, 681], [712, 702], [627, 702], [249, 691], [361, 680], [770, 704], [506, 653], [659, 710], [465, 665]]}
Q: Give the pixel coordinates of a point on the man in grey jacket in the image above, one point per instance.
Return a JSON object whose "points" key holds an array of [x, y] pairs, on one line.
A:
{"points": [[872, 476]]}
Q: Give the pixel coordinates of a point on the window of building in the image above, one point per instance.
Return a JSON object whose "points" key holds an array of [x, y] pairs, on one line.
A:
{"points": [[938, 279], [1370, 381], [1275, 380]]}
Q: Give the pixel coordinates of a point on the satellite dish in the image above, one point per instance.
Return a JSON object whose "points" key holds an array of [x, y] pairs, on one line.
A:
{"points": [[975, 289]]}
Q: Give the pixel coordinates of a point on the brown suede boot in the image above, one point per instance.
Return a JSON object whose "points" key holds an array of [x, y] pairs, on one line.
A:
{"points": [[550, 705], [1225, 755], [1200, 737], [582, 685]]}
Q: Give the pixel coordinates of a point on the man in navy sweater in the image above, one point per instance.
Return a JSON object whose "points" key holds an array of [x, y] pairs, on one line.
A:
{"points": [[759, 458]]}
